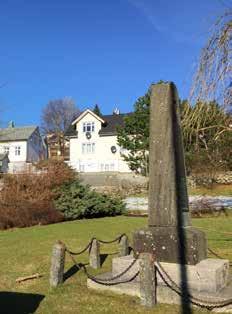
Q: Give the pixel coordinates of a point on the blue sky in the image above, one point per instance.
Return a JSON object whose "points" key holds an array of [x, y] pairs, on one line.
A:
{"points": [[96, 51]]}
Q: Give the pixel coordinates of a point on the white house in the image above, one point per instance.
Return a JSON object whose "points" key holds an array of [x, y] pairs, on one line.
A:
{"points": [[93, 143], [24, 146]]}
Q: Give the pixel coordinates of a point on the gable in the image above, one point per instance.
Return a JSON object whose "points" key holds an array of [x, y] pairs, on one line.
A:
{"points": [[89, 115], [107, 128]]}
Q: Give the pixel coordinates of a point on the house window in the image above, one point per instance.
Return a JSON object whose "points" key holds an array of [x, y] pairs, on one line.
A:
{"points": [[17, 151], [107, 167], [6, 149], [88, 148], [88, 127], [82, 168]]}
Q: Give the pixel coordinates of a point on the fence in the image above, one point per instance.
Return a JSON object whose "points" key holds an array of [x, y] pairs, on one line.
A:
{"points": [[149, 267]]}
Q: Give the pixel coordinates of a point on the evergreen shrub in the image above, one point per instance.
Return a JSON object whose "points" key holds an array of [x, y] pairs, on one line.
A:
{"points": [[79, 201]]}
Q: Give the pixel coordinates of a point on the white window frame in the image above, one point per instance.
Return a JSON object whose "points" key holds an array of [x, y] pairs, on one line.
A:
{"points": [[17, 150], [6, 149], [89, 126], [88, 148]]}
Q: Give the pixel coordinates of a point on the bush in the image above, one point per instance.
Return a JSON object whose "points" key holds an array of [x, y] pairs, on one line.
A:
{"points": [[78, 201], [28, 215], [27, 199]]}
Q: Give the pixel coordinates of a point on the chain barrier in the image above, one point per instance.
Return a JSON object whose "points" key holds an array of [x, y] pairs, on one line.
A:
{"points": [[113, 241], [82, 251], [88, 246], [208, 304], [194, 300], [218, 256], [106, 281]]}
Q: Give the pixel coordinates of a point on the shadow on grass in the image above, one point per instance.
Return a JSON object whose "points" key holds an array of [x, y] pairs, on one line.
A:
{"points": [[19, 303], [71, 271], [103, 257]]}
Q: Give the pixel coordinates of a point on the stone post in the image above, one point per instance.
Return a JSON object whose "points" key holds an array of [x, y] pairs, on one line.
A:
{"points": [[147, 279], [124, 246], [57, 264], [94, 255], [168, 215]]}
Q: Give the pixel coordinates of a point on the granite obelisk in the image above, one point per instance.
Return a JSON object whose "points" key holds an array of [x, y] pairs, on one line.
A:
{"points": [[168, 216]]}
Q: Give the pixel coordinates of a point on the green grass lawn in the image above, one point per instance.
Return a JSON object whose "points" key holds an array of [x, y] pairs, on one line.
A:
{"points": [[27, 251]]}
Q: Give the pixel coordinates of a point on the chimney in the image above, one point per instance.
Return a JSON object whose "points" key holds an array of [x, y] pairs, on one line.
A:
{"points": [[116, 111], [11, 124]]}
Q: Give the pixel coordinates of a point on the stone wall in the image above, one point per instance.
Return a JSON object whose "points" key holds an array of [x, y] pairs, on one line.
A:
{"points": [[114, 182], [204, 179], [131, 184]]}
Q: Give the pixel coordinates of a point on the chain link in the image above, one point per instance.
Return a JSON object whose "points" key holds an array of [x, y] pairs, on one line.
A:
{"points": [[112, 241], [194, 300], [218, 256], [120, 274], [82, 251], [106, 281], [88, 246]]}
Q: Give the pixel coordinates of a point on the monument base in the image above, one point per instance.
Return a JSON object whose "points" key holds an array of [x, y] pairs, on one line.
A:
{"points": [[208, 280], [210, 275], [164, 243]]}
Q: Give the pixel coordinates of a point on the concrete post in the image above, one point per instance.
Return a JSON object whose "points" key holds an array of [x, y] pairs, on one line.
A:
{"points": [[57, 264], [124, 246], [94, 255], [147, 279]]}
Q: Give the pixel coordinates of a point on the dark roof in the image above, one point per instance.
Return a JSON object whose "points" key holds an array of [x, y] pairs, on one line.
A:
{"points": [[111, 123], [16, 134], [108, 128]]}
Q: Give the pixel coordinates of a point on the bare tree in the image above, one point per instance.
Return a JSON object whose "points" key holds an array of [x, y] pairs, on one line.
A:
{"points": [[212, 82], [213, 77], [56, 117]]}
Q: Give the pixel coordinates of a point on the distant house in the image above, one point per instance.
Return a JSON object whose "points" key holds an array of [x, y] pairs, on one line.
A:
{"points": [[4, 161], [24, 146], [55, 150], [93, 143]]}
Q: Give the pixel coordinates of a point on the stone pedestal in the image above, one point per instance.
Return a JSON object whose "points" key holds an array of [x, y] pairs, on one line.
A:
{"points": [[210, 275], [165, 244]]}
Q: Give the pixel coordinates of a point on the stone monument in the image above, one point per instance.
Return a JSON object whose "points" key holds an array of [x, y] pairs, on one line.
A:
{"points": [[169, 227], [180, 248]]}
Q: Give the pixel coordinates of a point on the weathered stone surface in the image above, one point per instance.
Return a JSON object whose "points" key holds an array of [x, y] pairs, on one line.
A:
{"points": [[119, 264], [124, 246], [170, 235], [168, 195], [147, 280], [164, 294], [165, 243], [94, 255], [209, 276], [57, 264]]}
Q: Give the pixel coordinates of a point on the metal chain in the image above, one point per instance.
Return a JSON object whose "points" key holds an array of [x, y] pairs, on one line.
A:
{"points": [[105, 281], [82, 251], [218, 256], [115, 240], [88, 246], [102, 282], [196, 301], [119, 275]]}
